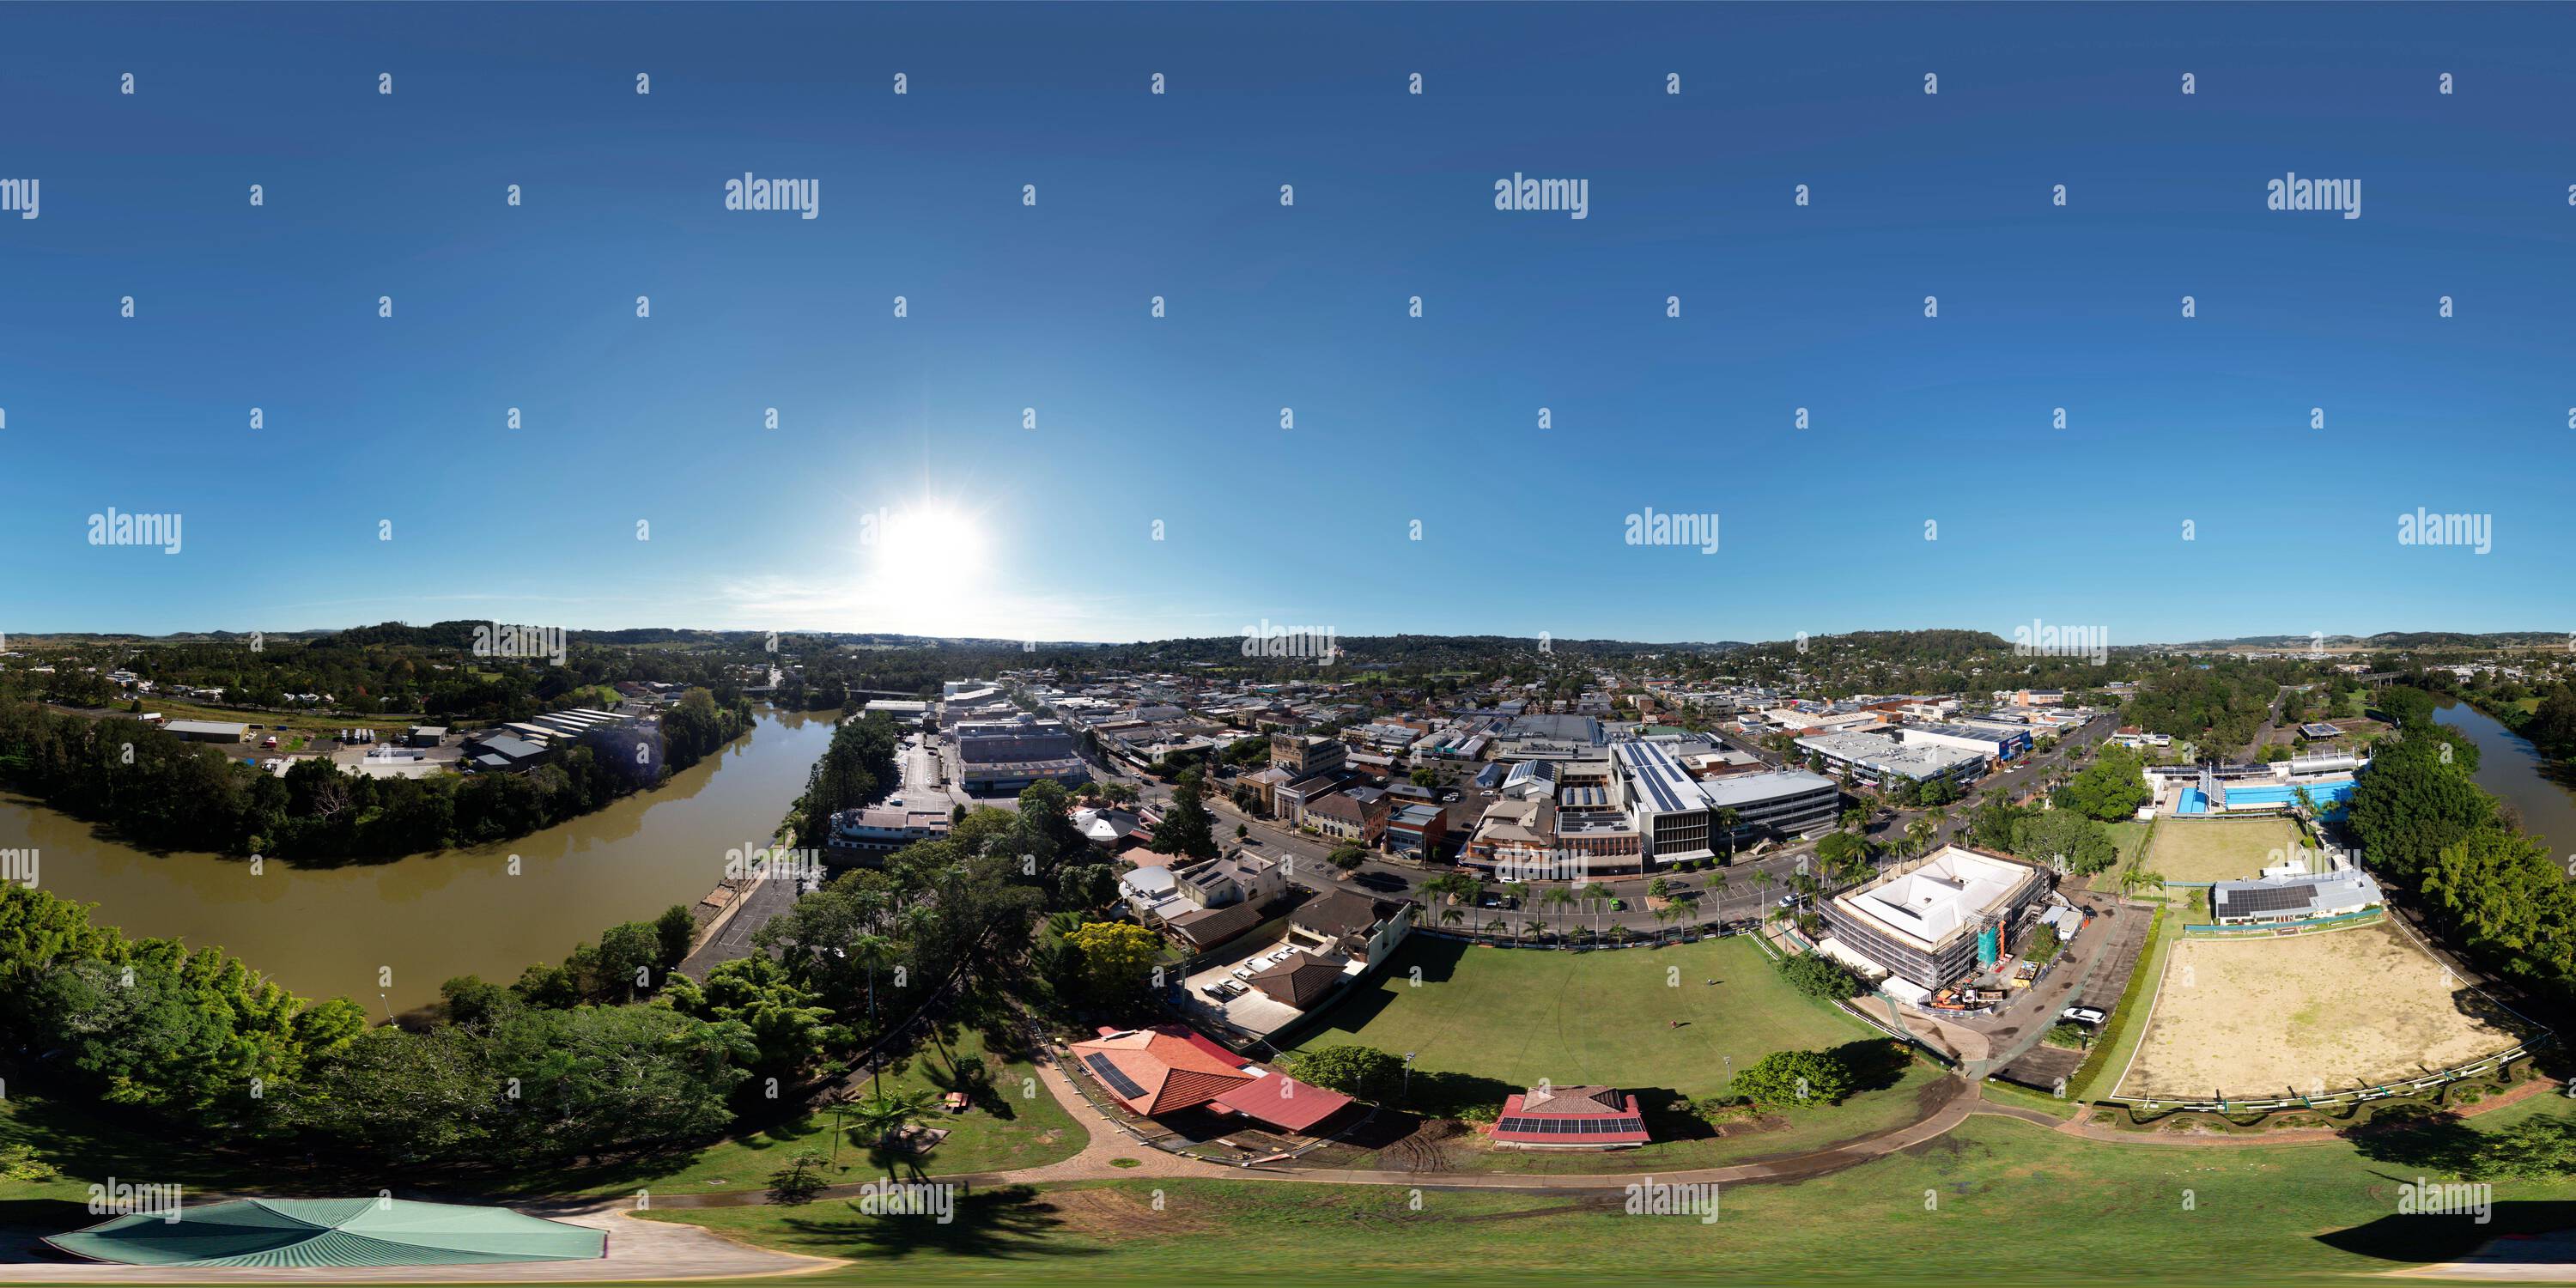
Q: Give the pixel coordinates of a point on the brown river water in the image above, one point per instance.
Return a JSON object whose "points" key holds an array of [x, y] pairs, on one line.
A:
{"points": [[387, 934]]}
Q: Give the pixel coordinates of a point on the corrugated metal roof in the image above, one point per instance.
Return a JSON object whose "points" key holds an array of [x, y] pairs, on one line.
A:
{"points": [[332, 1232]]}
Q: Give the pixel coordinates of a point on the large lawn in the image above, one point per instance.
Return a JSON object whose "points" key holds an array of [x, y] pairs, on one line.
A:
{"points": [[2202, 850], [1996, 1200], [1517, 1016]]}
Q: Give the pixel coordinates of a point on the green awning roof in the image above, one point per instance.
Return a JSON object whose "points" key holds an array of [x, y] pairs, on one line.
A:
{"points": [[332, 1232]]}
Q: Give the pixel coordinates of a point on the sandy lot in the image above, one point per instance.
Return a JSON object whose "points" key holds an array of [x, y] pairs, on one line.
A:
{"points": [[2217, 849], [2306, 1014]]}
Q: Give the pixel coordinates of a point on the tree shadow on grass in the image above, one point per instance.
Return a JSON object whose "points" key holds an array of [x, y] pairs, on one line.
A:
{"points": [[1876, 1064], [1006, 1224], [2415, 1237], [25, 1222], [1442, 1094]]}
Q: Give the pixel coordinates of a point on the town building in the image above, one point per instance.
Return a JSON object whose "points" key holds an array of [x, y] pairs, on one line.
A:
{"points": [[1994, 743], [1932, 921], [999, 757], [2293, 897], [1778, 803], [867, 835], [1240, 877], [1303, 756], [1356, 814], [1169, 1070], [1418, 831], [208, 730], [1877, 760]]}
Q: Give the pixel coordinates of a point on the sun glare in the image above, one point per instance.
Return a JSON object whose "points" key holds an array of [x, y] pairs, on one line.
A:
{"points": [[925, 562]]}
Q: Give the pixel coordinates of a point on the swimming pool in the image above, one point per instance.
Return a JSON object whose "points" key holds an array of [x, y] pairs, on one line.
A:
{"points": [[2329, 796]]}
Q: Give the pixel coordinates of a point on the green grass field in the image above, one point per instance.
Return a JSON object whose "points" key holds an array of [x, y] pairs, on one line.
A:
{"points": [[1994, 1200], [2218, 849], [1519, 1015]]}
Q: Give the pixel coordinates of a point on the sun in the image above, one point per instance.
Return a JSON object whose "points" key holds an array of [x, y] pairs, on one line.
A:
{"points": [[925, 561]]}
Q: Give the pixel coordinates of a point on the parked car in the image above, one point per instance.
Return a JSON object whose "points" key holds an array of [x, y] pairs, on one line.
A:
{"points": [[2082, 1015]]}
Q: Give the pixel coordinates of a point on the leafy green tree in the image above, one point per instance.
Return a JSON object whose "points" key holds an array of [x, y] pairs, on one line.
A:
{"points": [[676, 932], [1186, 827], [789, 1026], [2537, 1148], [1117, 959], [1795, 1079], [2414, 801], [1365, 1073], [1819, 977], [2068, 837], [2110, 789], [798, 1181]]}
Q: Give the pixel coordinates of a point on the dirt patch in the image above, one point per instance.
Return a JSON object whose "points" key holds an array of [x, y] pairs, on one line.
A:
{"points": [[1115, 1216], [2307, 1014]]}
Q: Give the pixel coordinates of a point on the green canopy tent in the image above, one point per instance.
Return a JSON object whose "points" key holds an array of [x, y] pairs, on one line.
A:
{"points": [[332, 1232]]}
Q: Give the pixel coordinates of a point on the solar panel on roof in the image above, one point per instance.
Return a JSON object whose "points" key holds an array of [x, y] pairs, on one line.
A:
{"points": [[1113, 1075], [2267, 898]]}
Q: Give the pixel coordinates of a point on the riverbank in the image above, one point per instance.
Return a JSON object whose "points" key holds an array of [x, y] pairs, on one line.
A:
{"points": [[390, 933]]}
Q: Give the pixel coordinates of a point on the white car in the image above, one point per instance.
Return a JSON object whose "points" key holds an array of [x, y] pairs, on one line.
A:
{"points": [[2082, 1015]]}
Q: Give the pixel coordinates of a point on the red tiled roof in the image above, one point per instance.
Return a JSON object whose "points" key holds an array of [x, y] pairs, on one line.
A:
{"points": [[1169, 1070]]}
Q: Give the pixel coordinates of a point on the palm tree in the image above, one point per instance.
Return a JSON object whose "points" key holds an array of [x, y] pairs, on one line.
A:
{"points": [[1727, 821], [886, 1115], [871, 951], [1450, 915], [1855, 818], [1498, 925]]}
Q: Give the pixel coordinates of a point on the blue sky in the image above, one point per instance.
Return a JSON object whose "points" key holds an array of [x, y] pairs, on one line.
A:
{"points": [[660, 420]]}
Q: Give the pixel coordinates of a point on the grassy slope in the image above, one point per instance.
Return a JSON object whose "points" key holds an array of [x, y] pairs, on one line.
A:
{"points": [[1521, 1015], [1994, 1200], [1037, 1131]]}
